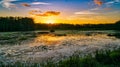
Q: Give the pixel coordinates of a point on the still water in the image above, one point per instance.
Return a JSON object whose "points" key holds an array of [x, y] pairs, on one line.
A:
{"points": [[37, 47]]}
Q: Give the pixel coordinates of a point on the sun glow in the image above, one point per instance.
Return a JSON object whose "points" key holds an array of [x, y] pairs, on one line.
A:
{"points": [[46, 20], [50, 21]]}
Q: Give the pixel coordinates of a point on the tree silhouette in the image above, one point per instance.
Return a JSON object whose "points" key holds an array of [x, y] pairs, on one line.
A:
{"points": [[16, 24]]}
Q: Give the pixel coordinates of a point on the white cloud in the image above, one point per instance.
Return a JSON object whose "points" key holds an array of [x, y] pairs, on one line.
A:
{"points": [[8, 3], [40, 3], [112, 2], [117, 0], [94, 9], [85, 12]]}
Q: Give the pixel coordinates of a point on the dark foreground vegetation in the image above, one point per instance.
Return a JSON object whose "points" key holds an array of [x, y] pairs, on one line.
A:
{"points": [[104, 58], [27, 24]]}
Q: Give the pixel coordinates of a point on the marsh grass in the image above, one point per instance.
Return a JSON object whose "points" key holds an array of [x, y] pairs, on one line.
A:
{"points": [[102, 58], [23, 38], [15, 37]]}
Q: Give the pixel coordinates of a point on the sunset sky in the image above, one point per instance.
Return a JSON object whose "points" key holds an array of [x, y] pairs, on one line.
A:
{"points": [[63, 11]]}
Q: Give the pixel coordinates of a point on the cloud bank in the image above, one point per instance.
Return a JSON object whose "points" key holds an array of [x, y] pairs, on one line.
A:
{"points": [[47, 13]]}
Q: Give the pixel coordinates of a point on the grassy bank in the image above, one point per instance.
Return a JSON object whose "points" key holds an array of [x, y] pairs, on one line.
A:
{"points": [[15, 37], [103, 58]]}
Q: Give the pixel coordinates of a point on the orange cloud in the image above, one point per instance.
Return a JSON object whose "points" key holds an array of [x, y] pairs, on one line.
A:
{"points": [[98, 2], [48, 13], [26, 5]]}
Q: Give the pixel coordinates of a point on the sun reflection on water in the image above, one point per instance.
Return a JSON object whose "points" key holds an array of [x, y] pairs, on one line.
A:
{"points": [[53, 40], [48, 40]]}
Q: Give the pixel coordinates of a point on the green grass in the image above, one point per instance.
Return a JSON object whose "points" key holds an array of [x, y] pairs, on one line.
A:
{"points": [[22, 38], [103, 58], [12, 38]]}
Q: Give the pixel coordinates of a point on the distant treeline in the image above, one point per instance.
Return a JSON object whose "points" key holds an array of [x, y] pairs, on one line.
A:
{"points": [[27, 24], [115, 26]]}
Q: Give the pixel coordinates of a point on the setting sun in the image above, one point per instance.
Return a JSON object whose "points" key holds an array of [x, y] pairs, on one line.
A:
{"points": [[50, 21], [46, 20]]}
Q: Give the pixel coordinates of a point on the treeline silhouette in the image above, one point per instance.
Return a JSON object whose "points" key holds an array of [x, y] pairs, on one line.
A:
{"points": [[16, 24], [27, 24], [115, 26]]}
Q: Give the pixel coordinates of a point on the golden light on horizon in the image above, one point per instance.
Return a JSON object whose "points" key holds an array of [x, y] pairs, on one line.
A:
{"points": [[77, 20], [46, 20]]}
